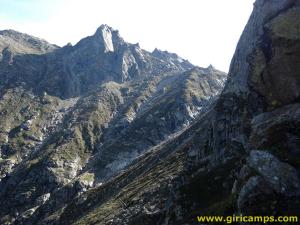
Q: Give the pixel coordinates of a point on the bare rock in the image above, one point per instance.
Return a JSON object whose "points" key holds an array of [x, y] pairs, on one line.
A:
{"points": [[282, 177]]}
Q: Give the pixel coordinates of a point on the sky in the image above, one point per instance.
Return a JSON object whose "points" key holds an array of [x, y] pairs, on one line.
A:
{"points": [[203, 31]]}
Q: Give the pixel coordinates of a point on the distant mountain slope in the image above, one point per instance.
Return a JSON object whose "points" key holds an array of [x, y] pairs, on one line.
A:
{"points": [[73, 70], [17, 43], [74, 117]]}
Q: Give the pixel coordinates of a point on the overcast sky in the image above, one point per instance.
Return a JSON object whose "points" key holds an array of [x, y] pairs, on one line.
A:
{"points": [[202, 31]]}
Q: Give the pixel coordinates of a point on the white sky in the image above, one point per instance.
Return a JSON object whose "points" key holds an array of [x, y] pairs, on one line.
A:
{"points": [[202, 31]]}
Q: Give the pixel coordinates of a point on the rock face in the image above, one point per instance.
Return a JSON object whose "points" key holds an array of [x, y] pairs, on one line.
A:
{"points": [[131, 137], [281, 176]]}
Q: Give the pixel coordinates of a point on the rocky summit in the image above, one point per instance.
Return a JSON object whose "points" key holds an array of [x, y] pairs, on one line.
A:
{"points": [[106, 133]]}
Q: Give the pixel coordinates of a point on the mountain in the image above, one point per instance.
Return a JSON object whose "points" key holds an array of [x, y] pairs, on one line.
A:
{"points": [[71, 71], [161, 145], [74, 117], [240, 156]]}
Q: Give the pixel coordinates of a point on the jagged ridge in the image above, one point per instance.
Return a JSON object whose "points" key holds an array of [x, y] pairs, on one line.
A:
{"points": [[86, 112]]}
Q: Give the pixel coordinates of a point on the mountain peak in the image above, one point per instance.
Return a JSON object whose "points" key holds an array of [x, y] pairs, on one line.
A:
{"points": [[105, 27], [211, 67], [108, 36]]}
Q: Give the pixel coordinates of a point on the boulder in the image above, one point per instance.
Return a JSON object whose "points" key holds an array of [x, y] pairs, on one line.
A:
{"points": [[282, 177]]}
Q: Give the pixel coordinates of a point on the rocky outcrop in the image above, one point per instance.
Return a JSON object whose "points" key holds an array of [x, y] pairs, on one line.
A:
{"points": [[282, 177]]}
